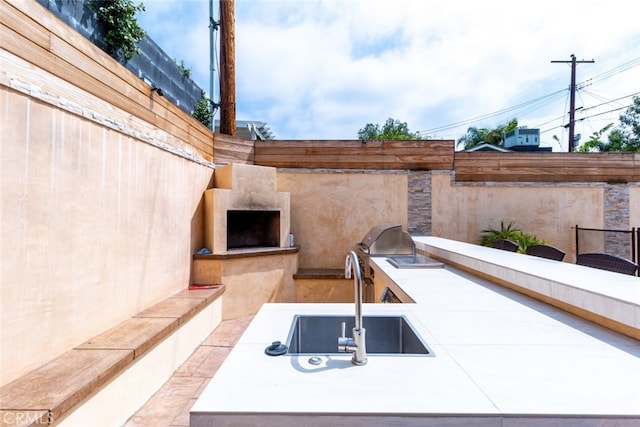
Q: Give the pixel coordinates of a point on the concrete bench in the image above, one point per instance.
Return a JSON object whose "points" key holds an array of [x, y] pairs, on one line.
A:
{"points": [[54, 391], [322, 285]]}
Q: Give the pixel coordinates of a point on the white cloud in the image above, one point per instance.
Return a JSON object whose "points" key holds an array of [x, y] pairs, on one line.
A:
{"points": [[323, 69]]}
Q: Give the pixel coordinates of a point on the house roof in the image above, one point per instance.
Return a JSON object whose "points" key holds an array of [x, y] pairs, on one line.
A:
{"points": [[485, 146]]}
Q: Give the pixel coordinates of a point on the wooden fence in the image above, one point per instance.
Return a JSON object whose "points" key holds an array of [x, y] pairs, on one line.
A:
{"points": [[547, 167], [353, 154], [34, 34]]}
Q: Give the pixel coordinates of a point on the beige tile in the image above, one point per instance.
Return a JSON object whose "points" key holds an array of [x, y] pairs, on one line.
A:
{"points": [[212, 362], [65, 381], [182, 419], [201, 388], [138, 334], [228, 332], [192, 366], [170, 406], [166, 404], [207, 294], [192, 363], [204, 362], [183, 308]]}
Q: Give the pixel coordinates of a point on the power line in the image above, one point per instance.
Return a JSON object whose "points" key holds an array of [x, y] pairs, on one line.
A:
{"points": [[489, 115], [616, 70], [610, 101], [587, 117], [572, 107], [549, 98]]}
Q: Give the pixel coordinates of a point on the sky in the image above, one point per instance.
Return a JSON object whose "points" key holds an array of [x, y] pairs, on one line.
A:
{"points": [[323, 69]]}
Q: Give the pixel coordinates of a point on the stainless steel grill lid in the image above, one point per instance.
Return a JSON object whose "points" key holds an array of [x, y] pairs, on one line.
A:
{"points": [[387, 239]]}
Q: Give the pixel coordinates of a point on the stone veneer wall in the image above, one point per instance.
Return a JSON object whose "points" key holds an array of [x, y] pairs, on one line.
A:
{"points": [[419, 203], [616, 217]]}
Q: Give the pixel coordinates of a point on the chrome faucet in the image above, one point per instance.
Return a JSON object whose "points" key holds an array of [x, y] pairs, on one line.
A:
{"points": [[356, 344]]}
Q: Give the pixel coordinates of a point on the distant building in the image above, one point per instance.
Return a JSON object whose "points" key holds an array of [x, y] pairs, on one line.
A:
{"points": [[249, 129], [524, 139]]}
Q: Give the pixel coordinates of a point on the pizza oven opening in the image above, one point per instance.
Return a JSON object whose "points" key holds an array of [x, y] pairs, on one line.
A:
{"points": [[253, 229], [244, 212]]}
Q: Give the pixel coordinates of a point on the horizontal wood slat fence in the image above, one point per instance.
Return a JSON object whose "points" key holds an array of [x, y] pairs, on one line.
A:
{"points": [[548, 167], [353, 154], [34, 34], [440, 155], [231, 149]]}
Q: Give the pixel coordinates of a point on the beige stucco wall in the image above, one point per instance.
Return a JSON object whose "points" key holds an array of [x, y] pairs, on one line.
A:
{"points": [[549, 211], [332, 211], [96, 223]]}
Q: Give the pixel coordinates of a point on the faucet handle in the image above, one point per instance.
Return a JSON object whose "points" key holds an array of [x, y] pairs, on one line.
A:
{"points": [[345, 344]]}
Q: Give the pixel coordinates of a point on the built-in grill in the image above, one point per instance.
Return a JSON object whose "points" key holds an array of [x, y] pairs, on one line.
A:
{"points": [[388, 240], [391, 242]]}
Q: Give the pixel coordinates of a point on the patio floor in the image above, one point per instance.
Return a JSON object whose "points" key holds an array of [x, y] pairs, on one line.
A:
{"points": [[170, 405]]}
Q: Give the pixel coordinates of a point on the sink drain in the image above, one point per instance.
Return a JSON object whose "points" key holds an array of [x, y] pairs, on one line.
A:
{"points": [[315, 360]]}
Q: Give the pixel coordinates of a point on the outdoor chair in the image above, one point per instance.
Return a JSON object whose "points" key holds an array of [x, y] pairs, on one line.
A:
{"points": [[505, 245], [607, 262], [545, 251]]}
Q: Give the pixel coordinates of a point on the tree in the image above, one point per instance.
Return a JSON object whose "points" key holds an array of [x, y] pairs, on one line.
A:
{"points": [[476, 136], [622, 138], [121, 30], [392, 129], [595, 143], [202, 112]]}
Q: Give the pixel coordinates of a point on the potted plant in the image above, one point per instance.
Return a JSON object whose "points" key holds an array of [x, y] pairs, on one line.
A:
{"points": [[509, 232]]}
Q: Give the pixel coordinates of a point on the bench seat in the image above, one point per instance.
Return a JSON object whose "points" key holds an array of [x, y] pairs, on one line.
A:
{"points": [[52, 391]]}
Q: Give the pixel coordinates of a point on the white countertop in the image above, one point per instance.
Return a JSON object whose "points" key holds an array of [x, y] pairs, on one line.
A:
{"points": [[501, 358]]}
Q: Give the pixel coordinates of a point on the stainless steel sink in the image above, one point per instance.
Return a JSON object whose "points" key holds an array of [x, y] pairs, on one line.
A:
{"points": [[386, 335], [414, 261]]}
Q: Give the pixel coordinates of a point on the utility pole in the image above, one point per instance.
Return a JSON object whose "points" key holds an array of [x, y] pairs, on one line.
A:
{"points": [[572, 99], [227, 68], [213, 26]]}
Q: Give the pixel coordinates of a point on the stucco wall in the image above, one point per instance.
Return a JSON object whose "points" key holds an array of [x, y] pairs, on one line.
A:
{"points": [[549, 211], [96, 223], [331, 211]]}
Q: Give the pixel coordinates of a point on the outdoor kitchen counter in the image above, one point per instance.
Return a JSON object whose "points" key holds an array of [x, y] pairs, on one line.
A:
{"points": [[610, 299], [501, 359]]}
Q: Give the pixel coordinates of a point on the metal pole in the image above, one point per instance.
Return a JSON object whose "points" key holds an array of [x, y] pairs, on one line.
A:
{"points": [[211, 63], [634, 254], [572, 102]]}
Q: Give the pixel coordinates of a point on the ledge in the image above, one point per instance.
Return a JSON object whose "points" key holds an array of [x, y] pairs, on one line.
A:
{"points": [[247, 253], [49, 393], [604, 297], [319, 273]]}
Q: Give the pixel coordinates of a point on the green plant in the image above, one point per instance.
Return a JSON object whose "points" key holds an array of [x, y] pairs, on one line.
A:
{"points": [[392, 129], [117, 18], [186, 71], [509, 232], [202, 111]]}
